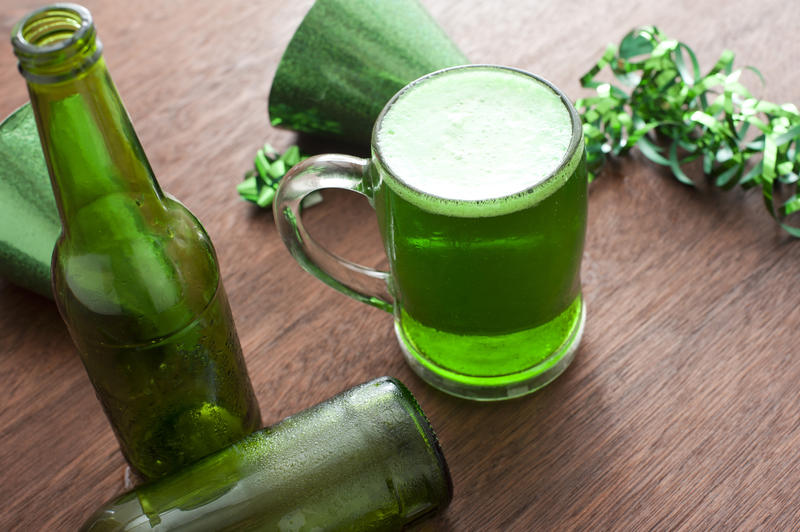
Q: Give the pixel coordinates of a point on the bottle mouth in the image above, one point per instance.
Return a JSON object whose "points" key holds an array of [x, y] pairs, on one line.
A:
{"points": [[55, 42], [429, 434]]}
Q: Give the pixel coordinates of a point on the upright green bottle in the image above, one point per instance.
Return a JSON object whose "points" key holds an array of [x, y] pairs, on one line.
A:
{"points": [[366, 459], [134, 273]]}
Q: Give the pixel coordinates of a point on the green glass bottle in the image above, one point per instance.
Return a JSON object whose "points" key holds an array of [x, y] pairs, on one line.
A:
{"points": [[366, 459], [134, 273]]}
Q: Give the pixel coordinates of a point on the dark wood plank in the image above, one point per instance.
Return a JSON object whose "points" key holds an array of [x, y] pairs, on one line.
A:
{"points": [[680, 410]]}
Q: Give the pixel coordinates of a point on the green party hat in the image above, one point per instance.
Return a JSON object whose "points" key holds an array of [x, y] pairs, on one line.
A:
{"points": [[348, 58], [29, 222]]}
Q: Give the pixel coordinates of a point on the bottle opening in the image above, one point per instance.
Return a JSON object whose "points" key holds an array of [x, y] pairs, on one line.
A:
{"points": [[55, 42], [51, 27]]}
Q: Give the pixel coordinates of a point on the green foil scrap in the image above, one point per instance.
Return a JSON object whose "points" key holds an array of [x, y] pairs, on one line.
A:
{"points": [[29, 222], [348, 58], [261, 183]]}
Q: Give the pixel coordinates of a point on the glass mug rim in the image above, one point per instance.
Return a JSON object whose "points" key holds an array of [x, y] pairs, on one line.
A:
{"points": [[499, 205]]}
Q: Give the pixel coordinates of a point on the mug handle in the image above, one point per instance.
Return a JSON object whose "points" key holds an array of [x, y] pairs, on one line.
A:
{"points": [[315, 173]]}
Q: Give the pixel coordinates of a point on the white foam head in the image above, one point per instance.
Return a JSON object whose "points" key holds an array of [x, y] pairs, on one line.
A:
{"points": [[477, 140]]}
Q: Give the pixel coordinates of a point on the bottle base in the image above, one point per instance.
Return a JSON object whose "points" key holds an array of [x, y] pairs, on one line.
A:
{"points": [[494, 388]]}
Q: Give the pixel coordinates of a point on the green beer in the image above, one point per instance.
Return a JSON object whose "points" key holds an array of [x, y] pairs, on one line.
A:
{"points": [[135, 276], [481, 199], [478, 179]]}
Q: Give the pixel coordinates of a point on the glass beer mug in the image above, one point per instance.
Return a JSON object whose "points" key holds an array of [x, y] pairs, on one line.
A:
{"points": [[478, 180]]}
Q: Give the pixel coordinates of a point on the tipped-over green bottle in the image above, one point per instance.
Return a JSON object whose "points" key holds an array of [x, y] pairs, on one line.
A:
{"points": [[134, 273], [366, 459]]}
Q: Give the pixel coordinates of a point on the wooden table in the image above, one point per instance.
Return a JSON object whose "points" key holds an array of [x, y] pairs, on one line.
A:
{"points": [[681, 407]]}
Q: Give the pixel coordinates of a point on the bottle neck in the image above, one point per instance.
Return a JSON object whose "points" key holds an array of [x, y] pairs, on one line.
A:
{"points": [[89, 143]]}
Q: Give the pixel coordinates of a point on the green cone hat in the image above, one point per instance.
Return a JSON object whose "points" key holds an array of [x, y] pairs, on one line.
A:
{"points": [[29, 222], [348, 58]]}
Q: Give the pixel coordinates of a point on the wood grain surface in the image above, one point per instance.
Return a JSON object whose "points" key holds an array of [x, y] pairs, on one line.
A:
{"points": [[680, 410]]}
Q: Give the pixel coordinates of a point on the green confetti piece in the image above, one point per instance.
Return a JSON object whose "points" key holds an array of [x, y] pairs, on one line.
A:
{"points": [[261, 162], [291, 156], [248, 188], [265, 197], [277, 169], [260, 184]]}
